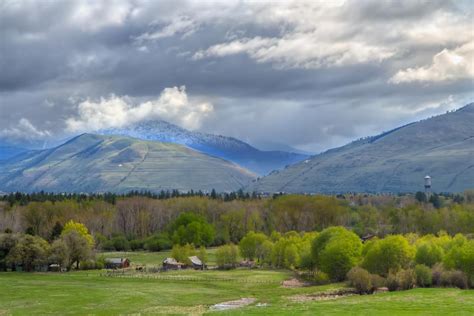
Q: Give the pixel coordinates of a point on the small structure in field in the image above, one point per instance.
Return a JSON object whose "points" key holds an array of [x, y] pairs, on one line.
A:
{"points": [[172, 264], [196, 263], [117, 263], [54, 267]]}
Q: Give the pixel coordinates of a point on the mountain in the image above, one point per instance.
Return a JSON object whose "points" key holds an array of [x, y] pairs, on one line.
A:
{"points": [[395, 161], [8, 151], [229, 148], [96, 163]]}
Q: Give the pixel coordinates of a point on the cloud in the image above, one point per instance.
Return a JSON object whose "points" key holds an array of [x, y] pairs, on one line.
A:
{"points": [[447, 65], [180, 25], [24, 131], [172, 105], [300, 50]]}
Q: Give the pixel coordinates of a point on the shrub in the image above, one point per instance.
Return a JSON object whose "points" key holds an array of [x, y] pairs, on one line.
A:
{"points": [[377, 281], [392, 282], [336, 250], [392, 253], [436, 273], [360, 279], [402, 280], [157, 243], [406, 279], [454, 278], [429, 254], [137, 244], [320, 278], [120, 243], [423, 276], [227, 256]]}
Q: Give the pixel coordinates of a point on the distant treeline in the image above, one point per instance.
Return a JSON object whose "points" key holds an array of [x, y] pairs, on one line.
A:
{"points": [[136, 217], [25, 198]]}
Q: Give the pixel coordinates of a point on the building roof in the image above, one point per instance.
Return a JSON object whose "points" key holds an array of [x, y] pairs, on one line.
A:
{"points": [[170, 261], [195, 260], [115, 260]]}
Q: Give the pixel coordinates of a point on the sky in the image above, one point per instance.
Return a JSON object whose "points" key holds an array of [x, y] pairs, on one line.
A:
{"points": [[307, 74]]}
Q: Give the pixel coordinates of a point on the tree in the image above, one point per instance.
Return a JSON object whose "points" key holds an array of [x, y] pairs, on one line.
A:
{"points": [[81, 229], [29, 252], [227, 256], [7, 243], [78, 247], [202, 254], [391, 253], [58, 253], [192, 228], [251, 245], [335, 251], [428, 254], [182, 253], [462, 257], [56, 231]]}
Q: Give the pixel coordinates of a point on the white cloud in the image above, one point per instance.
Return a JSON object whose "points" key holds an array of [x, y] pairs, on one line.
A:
{"points": [[447, 65], [92, 15], [172, 105], [180, 25], [300, 50], [24, 130]]}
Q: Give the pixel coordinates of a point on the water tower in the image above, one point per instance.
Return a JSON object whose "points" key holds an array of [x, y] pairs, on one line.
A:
{"points": [[427, 186]]}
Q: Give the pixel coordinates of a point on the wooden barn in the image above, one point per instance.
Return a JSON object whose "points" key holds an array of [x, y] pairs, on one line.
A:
{"points": [[196, 263], [172, 264], [117, 263]]}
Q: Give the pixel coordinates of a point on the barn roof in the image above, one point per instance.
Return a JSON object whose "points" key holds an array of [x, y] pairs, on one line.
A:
{"points": [[115, 260], [195, 260], [170, 261]]}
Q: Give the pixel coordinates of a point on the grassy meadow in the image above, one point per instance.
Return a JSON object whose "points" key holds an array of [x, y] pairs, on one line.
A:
{"points": [[193, 292]]}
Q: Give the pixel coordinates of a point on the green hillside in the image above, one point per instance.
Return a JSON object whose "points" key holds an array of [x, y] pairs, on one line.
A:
{"points": [[94, 163]]}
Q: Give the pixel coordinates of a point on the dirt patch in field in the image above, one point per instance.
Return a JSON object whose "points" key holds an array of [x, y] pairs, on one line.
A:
{"points": [[232, 304], [176, 310], [323, 296], [293, 283]]}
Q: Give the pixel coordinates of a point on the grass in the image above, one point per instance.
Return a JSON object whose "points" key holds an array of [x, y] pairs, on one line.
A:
{"points": [[193, 292]]}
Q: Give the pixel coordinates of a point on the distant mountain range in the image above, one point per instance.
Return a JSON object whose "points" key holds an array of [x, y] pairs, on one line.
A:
{"points": [[395, 161], [96, 163], [228, 148], [8, 151]]}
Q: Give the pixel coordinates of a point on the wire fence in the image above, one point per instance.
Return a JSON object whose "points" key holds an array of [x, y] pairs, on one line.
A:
{"points": [[182, 278]]}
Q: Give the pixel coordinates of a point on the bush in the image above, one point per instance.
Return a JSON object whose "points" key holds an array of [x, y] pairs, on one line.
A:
{"points": [[336, 250], [157, 243], [137, 244], [392, 282], [361, 280], [454, 278], [402, 280], [377, 282], [429, 254], [390, 254], [406, 279], [320, 278], [227, 256], [423, 276], [436, 273]]}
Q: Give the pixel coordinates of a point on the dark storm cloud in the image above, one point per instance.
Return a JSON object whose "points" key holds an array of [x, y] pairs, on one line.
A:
{"points": [[308, 74]]}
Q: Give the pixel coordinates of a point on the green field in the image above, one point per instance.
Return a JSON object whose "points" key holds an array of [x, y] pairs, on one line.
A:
{"points": [[193, 292]]}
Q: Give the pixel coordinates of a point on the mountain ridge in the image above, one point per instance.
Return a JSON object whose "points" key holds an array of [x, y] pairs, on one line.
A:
{"points": [[228, 148], [97, 163], [395, 161]]}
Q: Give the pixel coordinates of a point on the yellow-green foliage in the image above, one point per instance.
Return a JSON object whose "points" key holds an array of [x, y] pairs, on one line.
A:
{"points": [[81, 229]]}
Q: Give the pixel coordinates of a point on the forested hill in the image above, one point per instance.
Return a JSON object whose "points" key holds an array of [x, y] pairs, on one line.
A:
{"points": [[95, 163], [396, 161]]}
